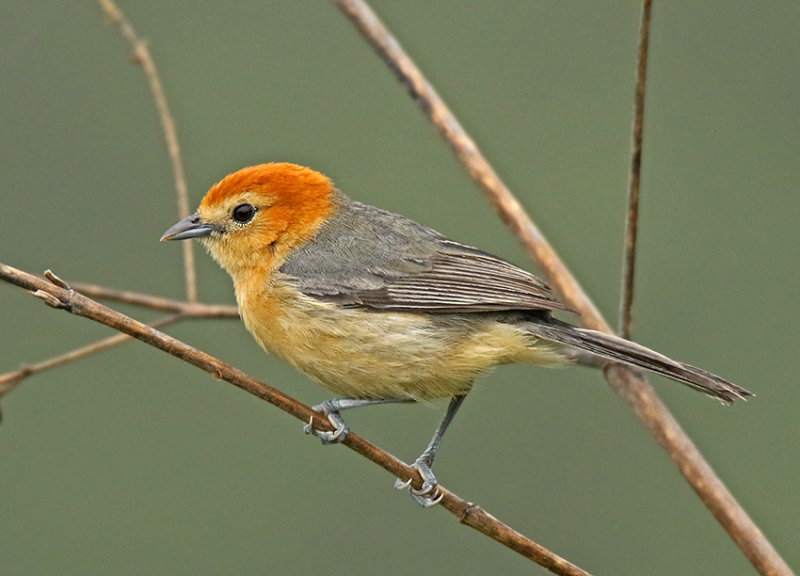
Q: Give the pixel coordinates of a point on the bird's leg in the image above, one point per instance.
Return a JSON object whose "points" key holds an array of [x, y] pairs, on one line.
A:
{"points": [[427, 495], [331, 408]]}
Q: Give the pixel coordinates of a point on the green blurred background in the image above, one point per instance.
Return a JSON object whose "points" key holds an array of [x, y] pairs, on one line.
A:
{"points": [[130, 462]]}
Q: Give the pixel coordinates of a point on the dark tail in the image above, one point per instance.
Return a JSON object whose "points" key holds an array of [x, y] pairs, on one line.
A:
{"points": [[627, 352]]}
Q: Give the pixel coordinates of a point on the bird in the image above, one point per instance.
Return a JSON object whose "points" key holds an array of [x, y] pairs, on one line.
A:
{"points": [[378, 308]]}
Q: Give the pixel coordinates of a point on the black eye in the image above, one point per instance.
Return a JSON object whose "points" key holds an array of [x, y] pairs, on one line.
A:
{"points": [[244, 213]]}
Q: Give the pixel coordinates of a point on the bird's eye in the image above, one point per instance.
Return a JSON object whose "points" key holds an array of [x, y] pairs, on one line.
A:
{"points": [[243, 213]]}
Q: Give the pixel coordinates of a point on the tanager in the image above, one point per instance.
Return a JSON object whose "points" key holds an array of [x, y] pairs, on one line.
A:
{"points": [[378, 308]]}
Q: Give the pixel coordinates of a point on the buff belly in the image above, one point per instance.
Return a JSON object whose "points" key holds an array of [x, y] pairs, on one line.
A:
{"points": [[358, 353]]}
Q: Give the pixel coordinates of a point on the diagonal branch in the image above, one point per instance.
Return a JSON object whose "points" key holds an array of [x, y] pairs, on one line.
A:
{"points": [[59, 295], [141, 55], [632, 221], [625, 381], [508, 207]]}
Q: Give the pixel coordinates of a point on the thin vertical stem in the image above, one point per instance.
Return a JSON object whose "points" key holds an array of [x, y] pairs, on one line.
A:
{"points": [[632, 227], [142, 56]]}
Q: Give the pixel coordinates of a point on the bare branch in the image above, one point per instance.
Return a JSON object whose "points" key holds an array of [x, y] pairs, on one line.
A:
{"points": [[467, 513], [631, 234], [141, 54], [633, 387], [180, 311], [189, 309], [9, 380]]}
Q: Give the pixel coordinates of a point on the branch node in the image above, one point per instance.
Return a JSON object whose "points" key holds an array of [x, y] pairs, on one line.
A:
{"points": [[50, 275], [468, 511], [11, 379], [49, 299], [139, 52]]}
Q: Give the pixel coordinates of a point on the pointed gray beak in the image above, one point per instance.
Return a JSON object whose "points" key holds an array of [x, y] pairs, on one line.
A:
{"points": [[190, 227]]}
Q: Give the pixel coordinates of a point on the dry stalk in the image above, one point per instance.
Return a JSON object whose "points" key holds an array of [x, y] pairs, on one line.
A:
{"points": [[627, 382]]}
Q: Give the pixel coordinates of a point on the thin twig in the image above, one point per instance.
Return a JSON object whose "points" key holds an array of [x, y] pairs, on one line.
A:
{"points": [[10, 379], [632, 221], [180, 310], [189, 309], [633, 387], [54, 295], [142, 55]]}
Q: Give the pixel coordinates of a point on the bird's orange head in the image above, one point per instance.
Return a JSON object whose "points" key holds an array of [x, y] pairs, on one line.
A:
{"points": [[255, 217]]}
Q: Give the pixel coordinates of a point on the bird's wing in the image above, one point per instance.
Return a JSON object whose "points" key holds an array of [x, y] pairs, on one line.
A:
{"points": [[366, 257], [462, 279]]}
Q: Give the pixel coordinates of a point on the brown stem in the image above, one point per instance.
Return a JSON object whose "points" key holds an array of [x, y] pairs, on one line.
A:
{"points": [[141, 54], [52, 292], [195, 309], [632, 222], [11, 379], [180, 310], [632, 387]]}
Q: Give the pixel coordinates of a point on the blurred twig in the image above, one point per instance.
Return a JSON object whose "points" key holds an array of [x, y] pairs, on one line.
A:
{"points": [[179, 311], [57, 294], [625, 381], [632, 221], [10, 379], [141, 55], [187, 309]]}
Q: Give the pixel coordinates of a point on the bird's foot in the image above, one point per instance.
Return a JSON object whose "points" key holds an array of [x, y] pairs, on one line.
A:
{"points": [[331, 411], [429, 493]]}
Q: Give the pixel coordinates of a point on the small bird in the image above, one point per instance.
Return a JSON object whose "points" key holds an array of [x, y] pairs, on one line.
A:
{"points": [[378, 308]]}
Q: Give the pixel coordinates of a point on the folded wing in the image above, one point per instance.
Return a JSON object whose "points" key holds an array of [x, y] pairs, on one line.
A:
{"points": [[370, 258]]}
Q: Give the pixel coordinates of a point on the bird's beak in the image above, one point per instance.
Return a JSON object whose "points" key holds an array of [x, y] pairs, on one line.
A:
{"points": [[190, 227]]}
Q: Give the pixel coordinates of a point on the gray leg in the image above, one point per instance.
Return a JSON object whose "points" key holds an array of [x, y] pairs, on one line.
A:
{"points": [[331, 408], [426, 496]]}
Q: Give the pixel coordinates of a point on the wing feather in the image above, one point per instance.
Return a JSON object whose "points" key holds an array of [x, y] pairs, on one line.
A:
{"points": [[366, 257]]}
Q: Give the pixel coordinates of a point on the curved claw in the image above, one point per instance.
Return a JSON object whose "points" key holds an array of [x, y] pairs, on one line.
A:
{"points": [[429, 501], [334, 436], [429, 494], [426, 489], [401, 485]]}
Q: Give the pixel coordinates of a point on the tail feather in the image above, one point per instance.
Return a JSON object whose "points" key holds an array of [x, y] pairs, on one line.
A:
{"points": [[627, 352]]}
